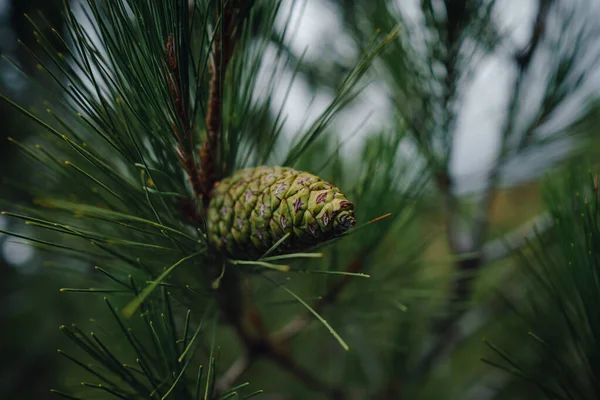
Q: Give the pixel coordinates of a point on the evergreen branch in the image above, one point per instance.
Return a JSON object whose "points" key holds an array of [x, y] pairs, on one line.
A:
{"points": [[175, 87], [556, 300], [231, 19]]}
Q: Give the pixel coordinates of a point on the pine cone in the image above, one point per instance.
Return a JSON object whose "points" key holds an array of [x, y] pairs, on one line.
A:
{"points": [[254, 208]]}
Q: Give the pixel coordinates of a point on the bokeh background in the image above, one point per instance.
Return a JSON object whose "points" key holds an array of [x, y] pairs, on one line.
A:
{"points": [[327, 34]]}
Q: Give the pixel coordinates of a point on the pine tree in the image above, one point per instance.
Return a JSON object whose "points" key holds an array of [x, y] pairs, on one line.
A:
{"points": [[210, 255]]}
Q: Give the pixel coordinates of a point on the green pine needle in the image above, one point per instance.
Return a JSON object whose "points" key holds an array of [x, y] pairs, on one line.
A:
{"points": [[253, 394], [64, 395], [344, 273], [136, 303], [276, 245], [316, 314], [276, 267], [210, 374], [292, 255], [198, 382]]}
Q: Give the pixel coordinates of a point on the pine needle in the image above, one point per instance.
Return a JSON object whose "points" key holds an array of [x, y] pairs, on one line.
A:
{"points": [[316, 314], [177, 379], [136, 303], [292, 255], [254, 394], [211, 365], [277, 267], [354, 274], [276, 245], [62, 394]]}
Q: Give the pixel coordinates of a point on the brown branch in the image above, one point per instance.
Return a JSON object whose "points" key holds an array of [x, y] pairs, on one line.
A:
{"points": [[173, 79], [175, 90], [203, 178], [222, 51]]}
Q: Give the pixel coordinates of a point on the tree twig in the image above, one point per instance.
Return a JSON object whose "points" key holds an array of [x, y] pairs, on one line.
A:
{"points": [[222, 51], [175, 90]]}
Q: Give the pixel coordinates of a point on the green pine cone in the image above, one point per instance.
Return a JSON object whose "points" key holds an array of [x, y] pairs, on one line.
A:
{"points": [[254, 208]]}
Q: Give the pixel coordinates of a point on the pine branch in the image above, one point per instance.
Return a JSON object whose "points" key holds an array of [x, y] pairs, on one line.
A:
{"points": [[222, 52], [175, 87]]}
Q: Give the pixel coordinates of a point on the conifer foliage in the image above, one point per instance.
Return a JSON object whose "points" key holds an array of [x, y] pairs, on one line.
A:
{"points": [[152, 105], [212, 253]]}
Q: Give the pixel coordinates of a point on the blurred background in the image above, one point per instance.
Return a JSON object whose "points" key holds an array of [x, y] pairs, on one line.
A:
{"points": [[492, 96]]}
